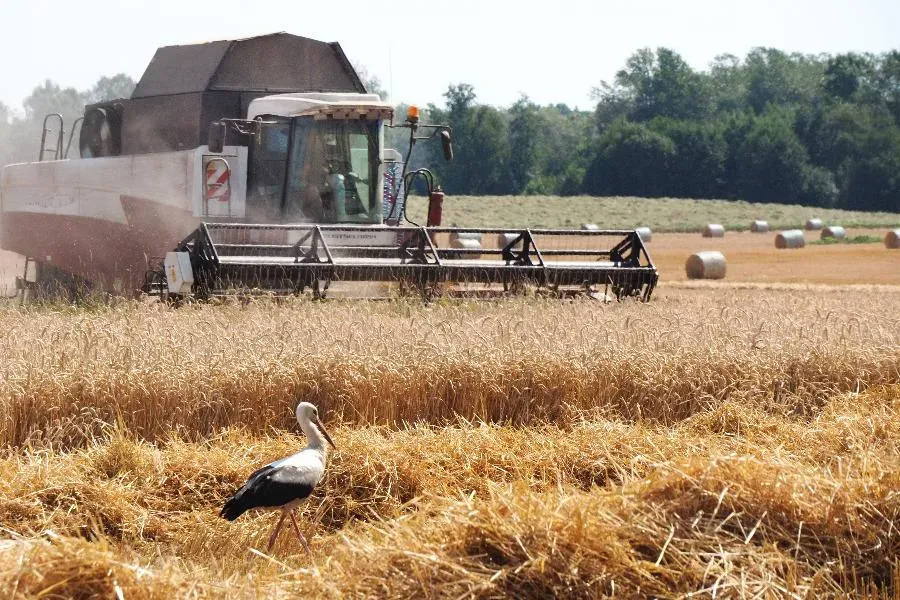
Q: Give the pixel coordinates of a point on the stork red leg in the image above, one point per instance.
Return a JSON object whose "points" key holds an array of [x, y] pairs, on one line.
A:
{"points": [[275, 533], [300, 535]]}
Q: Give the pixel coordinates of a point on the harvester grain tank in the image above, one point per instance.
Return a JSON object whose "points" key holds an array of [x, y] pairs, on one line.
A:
{"points": [[258, 164]]}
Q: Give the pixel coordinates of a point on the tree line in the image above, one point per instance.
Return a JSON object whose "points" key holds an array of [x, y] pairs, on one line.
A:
{"points": [[772, 127], [20, 134]]}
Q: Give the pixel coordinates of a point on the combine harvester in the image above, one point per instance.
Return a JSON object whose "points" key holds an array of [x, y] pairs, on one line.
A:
{"points": [[258, 166]]}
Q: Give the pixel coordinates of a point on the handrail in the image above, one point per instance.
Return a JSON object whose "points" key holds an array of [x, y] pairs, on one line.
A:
{"points": [[59, 140], [72, 135]]}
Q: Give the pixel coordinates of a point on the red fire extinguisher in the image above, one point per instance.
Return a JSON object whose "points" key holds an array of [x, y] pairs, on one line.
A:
{"points": [[435, 206]]}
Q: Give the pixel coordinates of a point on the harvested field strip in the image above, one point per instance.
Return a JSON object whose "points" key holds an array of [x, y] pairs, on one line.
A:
{"points": [[618, 212], [67, 375], [736, 498]]}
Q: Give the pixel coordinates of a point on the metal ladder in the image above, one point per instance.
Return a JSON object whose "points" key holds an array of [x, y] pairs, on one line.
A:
{"points": [[27, 282], [58, 137]]}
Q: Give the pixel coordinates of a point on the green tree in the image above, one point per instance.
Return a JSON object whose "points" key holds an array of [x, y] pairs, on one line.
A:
{"points": [[561, 152], [872, 180], [832, 133], [486, 141], [697, 167], [776, 78], [481, 149], [658, 84], [887, 82], [460, 98], [630, 158], [771, 161], [22, 135], [845, 74], [49, 98], [525, 128], [727, 82], [110, 88]]}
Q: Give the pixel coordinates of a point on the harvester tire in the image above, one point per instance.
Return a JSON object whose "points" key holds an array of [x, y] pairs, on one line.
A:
{"points": [[53, 284], [320, 288]]}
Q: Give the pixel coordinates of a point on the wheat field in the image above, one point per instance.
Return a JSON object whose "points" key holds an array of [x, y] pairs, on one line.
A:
{"points": [[720, 441]]}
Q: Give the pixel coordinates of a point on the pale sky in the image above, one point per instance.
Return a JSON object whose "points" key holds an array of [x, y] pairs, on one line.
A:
{"points": [[552, 51]]}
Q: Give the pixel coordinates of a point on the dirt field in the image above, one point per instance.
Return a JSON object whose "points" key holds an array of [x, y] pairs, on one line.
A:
{"points": [[752, 257]]}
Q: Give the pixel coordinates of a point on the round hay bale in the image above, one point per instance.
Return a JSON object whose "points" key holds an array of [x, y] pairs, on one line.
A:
{"points": [[589, 226], [834, 231], [705, 265], [713, 230], [759, 226], [892, 239], [467, 244], [645, 233], [465, 235], [505, 239], [791, 238], [813, 224]]}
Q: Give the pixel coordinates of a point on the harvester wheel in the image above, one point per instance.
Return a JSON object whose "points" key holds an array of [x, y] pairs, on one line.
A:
{"points": [[516, 287], [173, 300], [320, 288], [431, 291], [55, 284]]}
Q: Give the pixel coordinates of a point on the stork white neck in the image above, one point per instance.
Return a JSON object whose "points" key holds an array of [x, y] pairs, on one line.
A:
{"points": [[317, 441], [308, 419]]}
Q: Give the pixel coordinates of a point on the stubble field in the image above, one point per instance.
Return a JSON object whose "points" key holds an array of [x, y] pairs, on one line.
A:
{"points": [[726, 442], [728, 439]]}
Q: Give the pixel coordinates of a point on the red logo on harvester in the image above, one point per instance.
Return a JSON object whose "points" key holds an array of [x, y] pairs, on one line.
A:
{"points": [[218, 186]]}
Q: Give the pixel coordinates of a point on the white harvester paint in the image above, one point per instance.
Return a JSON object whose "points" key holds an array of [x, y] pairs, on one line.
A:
{"points": [[179, 274]]}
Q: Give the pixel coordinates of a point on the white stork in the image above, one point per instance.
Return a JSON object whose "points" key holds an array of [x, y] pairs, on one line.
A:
{"points": [[286, 483]]}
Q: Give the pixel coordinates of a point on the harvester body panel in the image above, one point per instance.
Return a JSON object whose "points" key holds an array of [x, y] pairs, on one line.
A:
{"points": [[104, 218]]}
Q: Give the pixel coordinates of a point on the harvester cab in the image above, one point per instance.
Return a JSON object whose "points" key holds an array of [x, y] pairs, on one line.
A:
{"points": [[312, 158]]}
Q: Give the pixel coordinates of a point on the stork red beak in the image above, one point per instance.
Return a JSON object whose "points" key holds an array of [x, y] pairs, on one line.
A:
{"points": [[325, 433]]}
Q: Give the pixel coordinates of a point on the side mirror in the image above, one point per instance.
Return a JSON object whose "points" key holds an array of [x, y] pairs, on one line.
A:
{"points": [[216, 137], [447, 143]]}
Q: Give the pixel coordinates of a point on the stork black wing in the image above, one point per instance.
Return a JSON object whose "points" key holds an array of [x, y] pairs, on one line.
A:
{"points": [[270, 487]]}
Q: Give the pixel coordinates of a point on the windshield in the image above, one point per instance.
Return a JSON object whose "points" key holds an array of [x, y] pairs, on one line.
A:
{"points": [[315, 171], [333, 172]]}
